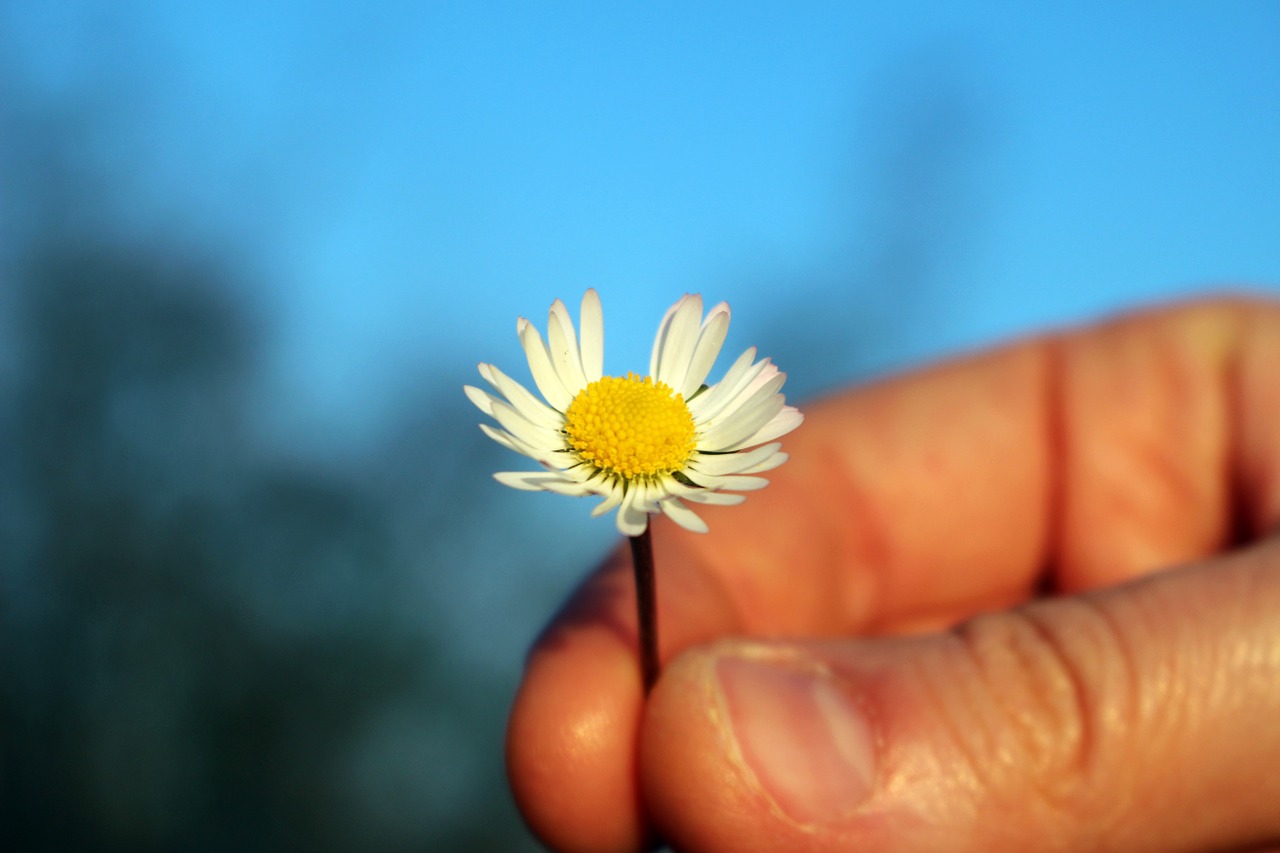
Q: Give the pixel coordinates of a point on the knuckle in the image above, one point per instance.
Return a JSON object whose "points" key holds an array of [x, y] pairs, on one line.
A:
{"points": [[1050, 691]]}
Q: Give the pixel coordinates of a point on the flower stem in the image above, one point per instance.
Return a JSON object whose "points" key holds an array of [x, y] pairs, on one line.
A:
{"points": [[646, 606]]}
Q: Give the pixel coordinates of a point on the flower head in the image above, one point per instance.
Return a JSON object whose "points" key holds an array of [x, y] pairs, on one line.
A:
{"points": [[644, 444]]}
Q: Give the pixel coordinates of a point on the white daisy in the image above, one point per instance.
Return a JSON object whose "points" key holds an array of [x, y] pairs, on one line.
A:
{"points": [[648, 444]]}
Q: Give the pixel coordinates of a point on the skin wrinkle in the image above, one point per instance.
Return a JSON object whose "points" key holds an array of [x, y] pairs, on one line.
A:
{"points": [[1184, 378], [957, 720], [1184, 355], [1163, 688], [1016, 676], [1180, 484], [1188, 687], [1092, 697]]}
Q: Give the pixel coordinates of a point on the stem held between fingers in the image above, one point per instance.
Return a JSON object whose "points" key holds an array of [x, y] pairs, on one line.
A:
{"points": [[646, 606]]}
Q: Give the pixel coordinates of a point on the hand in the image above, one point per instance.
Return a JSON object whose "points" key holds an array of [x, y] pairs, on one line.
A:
{"points": [[953, 620]]}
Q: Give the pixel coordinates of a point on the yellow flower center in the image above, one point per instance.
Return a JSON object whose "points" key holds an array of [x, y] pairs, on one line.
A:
{"points": [[630, 427]]}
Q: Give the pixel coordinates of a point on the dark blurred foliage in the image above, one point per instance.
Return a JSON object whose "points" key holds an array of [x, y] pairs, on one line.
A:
{"points": [[202, 646], [205, 645]]}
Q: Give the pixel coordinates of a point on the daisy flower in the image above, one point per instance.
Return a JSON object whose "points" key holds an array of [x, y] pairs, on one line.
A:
{"points": [[644, 444]]}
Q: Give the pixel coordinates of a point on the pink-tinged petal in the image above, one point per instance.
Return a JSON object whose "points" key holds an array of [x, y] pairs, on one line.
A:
{"points": [[710, 340], [679, 341], [762, 375], [783, 422], [683, 516], [522, 398], [591, 332], [715, 399], [735, 428], [544, 375], [761, 391], [563, 346]]}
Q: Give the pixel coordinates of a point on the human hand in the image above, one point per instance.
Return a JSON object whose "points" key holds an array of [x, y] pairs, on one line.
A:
{"points": [[871, 661]]}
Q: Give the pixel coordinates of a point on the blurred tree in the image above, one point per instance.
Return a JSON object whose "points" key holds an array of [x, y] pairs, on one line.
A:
{"points": [[203, 649], [204, 646]]}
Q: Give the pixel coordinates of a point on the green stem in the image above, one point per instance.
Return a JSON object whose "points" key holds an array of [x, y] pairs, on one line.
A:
{"points": [[646, 606]]}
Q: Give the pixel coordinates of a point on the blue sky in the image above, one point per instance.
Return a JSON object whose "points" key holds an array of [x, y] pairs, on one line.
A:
{"points": [[398, 181]]}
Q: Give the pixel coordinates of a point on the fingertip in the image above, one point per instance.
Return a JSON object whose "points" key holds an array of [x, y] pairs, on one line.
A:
{"points": [[571, 750], [697, 798], [574, 726]]}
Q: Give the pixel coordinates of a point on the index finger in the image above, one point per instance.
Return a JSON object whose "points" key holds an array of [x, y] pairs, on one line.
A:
{"points": [[1077, 460]]}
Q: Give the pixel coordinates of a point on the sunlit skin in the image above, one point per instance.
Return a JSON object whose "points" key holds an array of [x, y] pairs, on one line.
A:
{"points": [[1080, 464]]}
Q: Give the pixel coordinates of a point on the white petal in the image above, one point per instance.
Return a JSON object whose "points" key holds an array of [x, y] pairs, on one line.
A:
{"points": [[783, 422], [732, 483], [760, 381], [679, 341], [510, 442], [522, 398], [732, 463], [732, 431], [710, 339], [568, 487], [610, 502], [683, 516], [712, 401], [710, 498], [632, 520], [482, 399], [591, 331], [587, 475], [659, 340], [544, 375], [563, 345], [767, 464], [531, 481], [646, 497], [545, 440]]}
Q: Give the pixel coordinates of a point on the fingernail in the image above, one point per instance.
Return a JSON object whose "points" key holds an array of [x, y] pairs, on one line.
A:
{"points": [[799, 737]]}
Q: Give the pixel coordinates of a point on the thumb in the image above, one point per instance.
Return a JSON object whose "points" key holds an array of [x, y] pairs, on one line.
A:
{"points": [[1142, 717]]}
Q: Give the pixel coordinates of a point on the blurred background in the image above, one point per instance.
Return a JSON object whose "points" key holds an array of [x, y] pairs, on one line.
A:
{"points": [[258, 588]]}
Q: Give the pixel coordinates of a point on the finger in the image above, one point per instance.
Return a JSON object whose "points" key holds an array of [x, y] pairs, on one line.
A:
{"points": [[1140, 717], [905, 506], [1166, 434]]}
